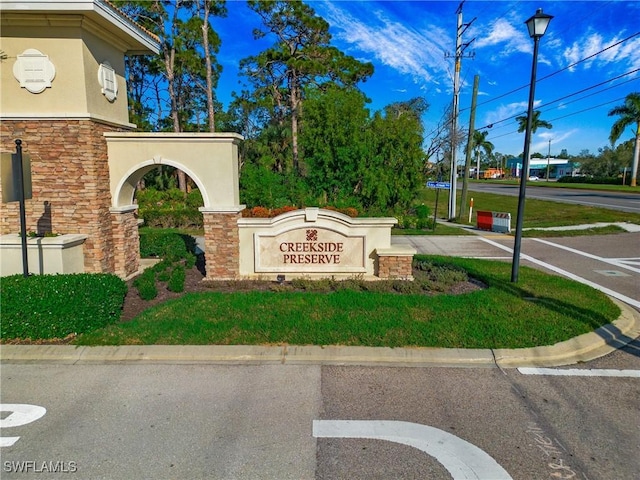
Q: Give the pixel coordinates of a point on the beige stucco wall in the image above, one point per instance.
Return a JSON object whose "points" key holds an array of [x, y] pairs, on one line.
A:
{"points": [[75, 91], [49, 255], [376, 233], [76, 45], [210, 159]]}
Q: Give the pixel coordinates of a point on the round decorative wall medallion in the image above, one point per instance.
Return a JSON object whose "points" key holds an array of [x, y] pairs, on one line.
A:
{"points": [[34, 70]]}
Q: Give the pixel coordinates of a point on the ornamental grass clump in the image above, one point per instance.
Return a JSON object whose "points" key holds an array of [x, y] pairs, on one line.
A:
{"points": [[56, 306]]}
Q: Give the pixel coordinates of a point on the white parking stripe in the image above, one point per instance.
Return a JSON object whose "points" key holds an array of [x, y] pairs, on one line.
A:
{"points": [[553, 268], [610, 261], [463, 460], [577, 372]]}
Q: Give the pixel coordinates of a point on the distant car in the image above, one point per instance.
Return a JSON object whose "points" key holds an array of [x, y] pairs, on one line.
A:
{"points": [[533, 178]]}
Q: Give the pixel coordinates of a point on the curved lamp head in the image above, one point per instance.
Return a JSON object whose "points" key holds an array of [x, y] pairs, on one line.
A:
{"points": [[538, 24]]}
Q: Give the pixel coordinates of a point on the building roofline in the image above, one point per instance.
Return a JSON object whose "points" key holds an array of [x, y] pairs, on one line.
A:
{"points": [[104, 12]]}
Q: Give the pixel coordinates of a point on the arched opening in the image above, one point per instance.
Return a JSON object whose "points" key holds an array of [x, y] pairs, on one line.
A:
{"points": [[211, 162]]}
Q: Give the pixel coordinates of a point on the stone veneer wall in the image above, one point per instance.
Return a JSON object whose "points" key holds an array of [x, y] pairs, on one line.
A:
{"points": [[70, 179], [395, 266], [222, 245], [127, 243]]}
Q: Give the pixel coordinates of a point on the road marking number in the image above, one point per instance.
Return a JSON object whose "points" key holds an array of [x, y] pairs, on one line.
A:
{"points": [[21, 414], [462, 459]]}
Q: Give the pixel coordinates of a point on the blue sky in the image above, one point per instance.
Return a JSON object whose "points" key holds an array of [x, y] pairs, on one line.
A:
{"points": [[408, 43]]}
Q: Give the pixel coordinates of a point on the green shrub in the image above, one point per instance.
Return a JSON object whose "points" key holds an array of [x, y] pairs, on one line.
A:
{"points": [[170, 246], [170, 208], [172, 218], [190, 261], [146, 284], [439, 274], [422, 211], [177, 278], [55, 306], [164, 275], [176, 251]]}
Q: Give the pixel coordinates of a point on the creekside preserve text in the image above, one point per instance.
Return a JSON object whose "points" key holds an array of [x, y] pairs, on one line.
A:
{"points": [[316, 253]]}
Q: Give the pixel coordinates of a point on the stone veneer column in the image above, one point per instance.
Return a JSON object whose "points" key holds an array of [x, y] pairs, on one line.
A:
{"points": [[126, 242], [395, 262], [221, 244], [70, 178]]}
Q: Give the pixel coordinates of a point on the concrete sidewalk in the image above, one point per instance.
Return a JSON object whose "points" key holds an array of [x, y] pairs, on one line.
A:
{"points": [[580, 349]]}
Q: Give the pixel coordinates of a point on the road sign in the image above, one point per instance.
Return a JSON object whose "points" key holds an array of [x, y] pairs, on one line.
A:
{"points": [[444, 185]]}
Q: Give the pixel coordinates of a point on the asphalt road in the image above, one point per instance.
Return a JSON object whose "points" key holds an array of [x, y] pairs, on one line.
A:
{"points": [[303, 422], [624, 202]]}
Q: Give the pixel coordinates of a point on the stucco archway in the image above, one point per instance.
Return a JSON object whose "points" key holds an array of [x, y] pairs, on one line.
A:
{"points": [[210, 159]]}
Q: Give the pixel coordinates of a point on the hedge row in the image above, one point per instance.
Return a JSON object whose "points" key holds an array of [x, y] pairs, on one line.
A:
{"points": [[159, 217], [167, 245], [55, 306], [593, 180]]}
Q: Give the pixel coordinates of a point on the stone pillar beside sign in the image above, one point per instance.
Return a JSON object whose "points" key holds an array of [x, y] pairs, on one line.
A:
{"points": [[126, 241], [396, 262], [316, 243], [222, 249]]}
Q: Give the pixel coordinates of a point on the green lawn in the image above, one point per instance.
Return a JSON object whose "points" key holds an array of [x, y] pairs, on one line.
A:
{"points": [[539, 310], [578, 186], [538, 213]]}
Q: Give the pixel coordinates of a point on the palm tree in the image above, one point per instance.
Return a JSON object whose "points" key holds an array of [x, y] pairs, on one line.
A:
{"points": [[535, 122], [629, 115], [480, 142]]}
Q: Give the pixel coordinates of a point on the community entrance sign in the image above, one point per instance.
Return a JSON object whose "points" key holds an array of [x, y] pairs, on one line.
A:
{"points": [[317, 243], [310, 250]]}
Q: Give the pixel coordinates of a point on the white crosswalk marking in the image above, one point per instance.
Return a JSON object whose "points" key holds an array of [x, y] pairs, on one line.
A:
{"points": [[578, 372]]}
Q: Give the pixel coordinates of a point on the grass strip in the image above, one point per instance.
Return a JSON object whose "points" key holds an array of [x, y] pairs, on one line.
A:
{"points": [[537, 213], [539, 310]]}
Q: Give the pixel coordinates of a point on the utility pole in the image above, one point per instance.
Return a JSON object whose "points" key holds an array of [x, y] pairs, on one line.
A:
{"points": [[467, 162], [460, 48], [548, 158]]}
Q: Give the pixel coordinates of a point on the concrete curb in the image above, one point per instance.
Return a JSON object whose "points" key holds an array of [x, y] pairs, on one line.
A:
{"points": [[583, 348]]}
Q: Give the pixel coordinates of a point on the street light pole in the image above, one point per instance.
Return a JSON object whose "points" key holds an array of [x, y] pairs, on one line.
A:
{"points": [[537, 26]]}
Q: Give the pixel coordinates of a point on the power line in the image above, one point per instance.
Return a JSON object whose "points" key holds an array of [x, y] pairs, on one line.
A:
{"points": [[564, 116], [573, 94], [558, 71]]}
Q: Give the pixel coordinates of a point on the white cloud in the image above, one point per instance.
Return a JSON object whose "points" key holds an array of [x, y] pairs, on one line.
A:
{"points": [[627, 54], [543, 136], [503, 33], [499, 116], [420, 54]]}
